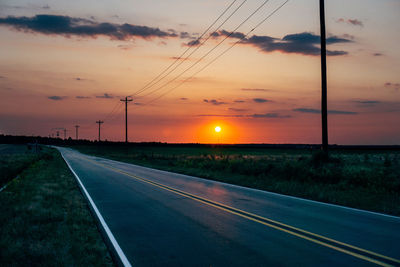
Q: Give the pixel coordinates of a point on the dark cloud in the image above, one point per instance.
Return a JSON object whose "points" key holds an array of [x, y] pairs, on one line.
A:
{"points": [[261, 100], [269, 115], [56, 97], [239, 101], [137, 104], [183, 98], [2, 77], [317, 111], [377, 54], [82, 97], [300, 43], [105, 95], [238, 109], [68, 26], [257, 89], [354, 22], [214, 102], [193, 43]]}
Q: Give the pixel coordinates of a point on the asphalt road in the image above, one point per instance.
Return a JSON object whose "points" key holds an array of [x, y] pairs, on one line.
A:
{"points": [[160, 218]]}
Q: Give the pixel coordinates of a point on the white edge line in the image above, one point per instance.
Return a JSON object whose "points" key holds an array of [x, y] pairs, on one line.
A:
{"points": [[9, 182], [114, 242], [259, 190]]}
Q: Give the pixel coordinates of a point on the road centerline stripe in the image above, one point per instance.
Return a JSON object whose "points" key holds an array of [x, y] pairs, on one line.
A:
{"points": [[357, 252]]}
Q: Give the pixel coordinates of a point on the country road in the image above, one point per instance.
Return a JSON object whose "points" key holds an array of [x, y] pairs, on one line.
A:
{"points": [[158, 218]]}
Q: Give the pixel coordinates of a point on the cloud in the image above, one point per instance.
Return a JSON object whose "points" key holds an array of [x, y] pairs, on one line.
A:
{"points": [[367, 102], [193, 43], [254, 116], [238, 109], [392, 85], [239, 101], [304, 43], [105, 95], [377, 54], [269, 115], [214, 102], [70, 26], [353, 22], [56, 97], [257, 89], [2, 77], [261, 100], [317, 111], [82, 97], [183, 98]]}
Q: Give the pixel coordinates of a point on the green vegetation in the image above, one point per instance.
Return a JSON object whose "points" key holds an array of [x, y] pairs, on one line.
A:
{"points": [[45, 220], [367, 180], [13, 160]]}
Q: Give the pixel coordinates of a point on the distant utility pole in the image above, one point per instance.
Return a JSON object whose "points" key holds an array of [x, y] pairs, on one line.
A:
{"points": [[99, 122], [126, 100], [76, 131], [65, 133], [324, 104]]}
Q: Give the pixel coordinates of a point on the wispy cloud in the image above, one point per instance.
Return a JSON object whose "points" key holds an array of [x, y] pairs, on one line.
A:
{"points": [[270, 115], [82, 97], [239, 101], [105, 95], [261, 100], [238, 109], [214, 102], [353, 22], [317, 111], [71, 26], [257, 90], [183, 98], [56, 97], [395, 86], [366, 102]]}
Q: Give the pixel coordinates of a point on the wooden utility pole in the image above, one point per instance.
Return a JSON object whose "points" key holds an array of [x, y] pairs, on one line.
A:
{"points": [[65, 133], [76, 131], [99, 122], [324, 104], [126, 100]]}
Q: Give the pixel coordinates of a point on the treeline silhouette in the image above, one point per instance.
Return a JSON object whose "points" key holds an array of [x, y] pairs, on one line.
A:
{"points": [[20, 139]]}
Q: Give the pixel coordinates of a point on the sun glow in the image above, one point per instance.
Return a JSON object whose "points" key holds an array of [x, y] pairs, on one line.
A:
{"points": [[217, 129]]}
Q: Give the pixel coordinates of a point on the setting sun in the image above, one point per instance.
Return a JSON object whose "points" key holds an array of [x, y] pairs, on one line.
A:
{"points": [[217, 129]]}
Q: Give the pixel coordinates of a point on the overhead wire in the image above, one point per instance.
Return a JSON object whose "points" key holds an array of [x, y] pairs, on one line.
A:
{"points": [[211, 50], [150, 84], [221, 54]]}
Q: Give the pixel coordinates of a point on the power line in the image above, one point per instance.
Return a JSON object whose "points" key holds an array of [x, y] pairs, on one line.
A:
{"points": [[197, 47], [211, 50], [221, 54]]}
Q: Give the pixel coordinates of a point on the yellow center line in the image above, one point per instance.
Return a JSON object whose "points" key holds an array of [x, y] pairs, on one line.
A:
{"points": [[259, 219]]}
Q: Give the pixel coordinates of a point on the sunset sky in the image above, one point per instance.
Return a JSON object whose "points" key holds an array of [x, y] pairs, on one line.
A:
{"points": [[64, 63]]}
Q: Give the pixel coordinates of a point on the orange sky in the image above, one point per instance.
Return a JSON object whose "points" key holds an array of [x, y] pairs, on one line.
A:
{"points": [[55, 73]]}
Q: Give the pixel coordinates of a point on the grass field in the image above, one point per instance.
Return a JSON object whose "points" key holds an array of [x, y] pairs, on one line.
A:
{"points": [[45, 220], [367, 180], [13, 160]]}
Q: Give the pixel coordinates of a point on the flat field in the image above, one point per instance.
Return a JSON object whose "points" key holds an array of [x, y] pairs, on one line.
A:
{"points": [[367, 179], [45, 220]]}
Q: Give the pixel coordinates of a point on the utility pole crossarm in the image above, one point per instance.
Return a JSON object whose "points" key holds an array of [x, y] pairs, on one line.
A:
{"points": [[126, 100]]}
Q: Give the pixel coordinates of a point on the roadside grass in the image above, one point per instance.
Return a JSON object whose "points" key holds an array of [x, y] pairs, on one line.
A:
{"points": [[368, 180], [11, 164], [45, 220]]}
